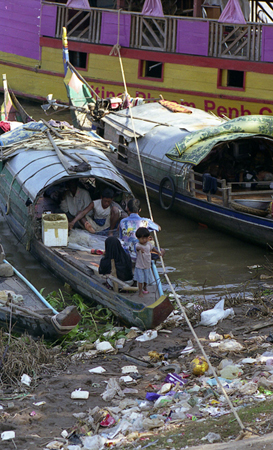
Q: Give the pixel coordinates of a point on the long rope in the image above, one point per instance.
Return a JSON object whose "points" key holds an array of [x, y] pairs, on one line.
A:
{"points": [[116, 50]]}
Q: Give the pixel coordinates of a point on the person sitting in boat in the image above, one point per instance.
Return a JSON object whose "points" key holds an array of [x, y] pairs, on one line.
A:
{"points": [[100, 216], [75, 199], [123, 263], [129, 225]]}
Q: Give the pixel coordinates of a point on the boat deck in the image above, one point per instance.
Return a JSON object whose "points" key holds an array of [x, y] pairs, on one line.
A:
{"points": [[89, 264], [30, 300]]}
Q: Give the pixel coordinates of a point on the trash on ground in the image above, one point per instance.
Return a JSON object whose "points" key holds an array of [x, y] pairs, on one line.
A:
{"points": [[213, 316]]}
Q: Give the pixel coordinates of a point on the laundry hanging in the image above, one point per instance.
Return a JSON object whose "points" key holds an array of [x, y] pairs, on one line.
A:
{"points": [[232, 13], [152, 8]]}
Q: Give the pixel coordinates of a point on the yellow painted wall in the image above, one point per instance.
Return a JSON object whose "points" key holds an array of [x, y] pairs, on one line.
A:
{"points": [[107, 69]]}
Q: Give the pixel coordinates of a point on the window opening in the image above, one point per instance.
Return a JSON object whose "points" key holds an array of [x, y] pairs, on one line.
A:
{"points": [[235, 78], [152, 69], [122, 149], [78, 59]]}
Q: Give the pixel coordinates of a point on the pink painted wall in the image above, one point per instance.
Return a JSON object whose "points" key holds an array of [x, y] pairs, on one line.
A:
{"points": [[192, 37], [109, 29], [48, 20], [20, 27], [267, 44]]}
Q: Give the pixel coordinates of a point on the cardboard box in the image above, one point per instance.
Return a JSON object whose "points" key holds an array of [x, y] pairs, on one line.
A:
{"points": [[55, 230]]}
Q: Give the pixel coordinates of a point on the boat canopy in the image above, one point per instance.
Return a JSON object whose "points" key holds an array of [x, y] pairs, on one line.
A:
{"points": [[194, 147], [151, 115], [35, 165]]}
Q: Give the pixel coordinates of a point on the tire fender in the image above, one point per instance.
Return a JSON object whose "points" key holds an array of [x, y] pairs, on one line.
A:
{"points": [[161, 186]]}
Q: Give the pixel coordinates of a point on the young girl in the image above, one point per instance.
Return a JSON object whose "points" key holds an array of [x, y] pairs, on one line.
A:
{"points": [[143, 273]]}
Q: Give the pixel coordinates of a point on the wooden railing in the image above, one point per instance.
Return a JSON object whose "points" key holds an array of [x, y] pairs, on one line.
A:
{"points": [[235, 41], [196, 187], [160, 34], [228, 192]]}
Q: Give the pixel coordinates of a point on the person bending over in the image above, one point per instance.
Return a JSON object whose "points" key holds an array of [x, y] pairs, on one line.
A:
{"points": [[100, 215], [123, 263], [143, 272]]}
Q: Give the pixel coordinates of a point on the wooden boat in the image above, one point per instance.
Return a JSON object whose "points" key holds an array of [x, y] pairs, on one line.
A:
{"points": [[32, 162], [187, 55], [217, 172], [24, 310]]}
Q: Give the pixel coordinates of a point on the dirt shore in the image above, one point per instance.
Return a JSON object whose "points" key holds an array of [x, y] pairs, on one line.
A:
{"points": [[39, 413]]}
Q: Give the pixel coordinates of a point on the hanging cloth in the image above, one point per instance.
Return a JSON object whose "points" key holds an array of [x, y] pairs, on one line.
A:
{"points": [[152, 8], [232, 13], [78, 4]]}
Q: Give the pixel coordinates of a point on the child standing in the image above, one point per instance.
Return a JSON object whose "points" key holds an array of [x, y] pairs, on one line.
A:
{"points": [[143, 273]]}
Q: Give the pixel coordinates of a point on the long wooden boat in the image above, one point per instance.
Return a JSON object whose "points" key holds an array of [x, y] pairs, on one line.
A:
{"points": [[187, 55], [29, 167], [24, 310], [217, 172]]}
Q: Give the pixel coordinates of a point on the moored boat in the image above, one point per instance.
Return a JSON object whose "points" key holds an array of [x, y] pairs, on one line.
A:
{"points": [[31, 164], [24, 310]]}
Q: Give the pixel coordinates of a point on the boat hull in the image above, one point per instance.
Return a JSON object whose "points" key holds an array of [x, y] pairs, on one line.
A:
{"points": [[250, 228]]}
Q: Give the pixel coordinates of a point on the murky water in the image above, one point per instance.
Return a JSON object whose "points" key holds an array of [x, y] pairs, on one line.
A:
{"points": [[200, 261]]}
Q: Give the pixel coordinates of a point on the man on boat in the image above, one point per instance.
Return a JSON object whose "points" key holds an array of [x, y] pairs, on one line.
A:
{"points": [[129, 225], [99, 216], [75, 199]]}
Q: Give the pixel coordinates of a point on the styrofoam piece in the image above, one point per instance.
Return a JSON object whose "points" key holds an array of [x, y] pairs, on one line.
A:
{"points": [[104, 347], [98, 369], [79, 394], [6, 435], [129, 369]]}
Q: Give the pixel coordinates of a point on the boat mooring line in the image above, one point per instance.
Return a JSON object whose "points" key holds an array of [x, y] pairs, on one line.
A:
{"points": [[116, 50]]}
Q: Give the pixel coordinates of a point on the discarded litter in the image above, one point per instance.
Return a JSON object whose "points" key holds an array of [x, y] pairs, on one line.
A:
{"points": [[199, 365], [230, 345], [79, 394], [147, 336], [6, 435], [25, 379], [129, 369], [98, 369], [213, 316], [213, 336], [104, 347]]}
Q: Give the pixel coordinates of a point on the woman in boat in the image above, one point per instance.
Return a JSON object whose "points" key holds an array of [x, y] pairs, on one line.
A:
{"points": [[123, 263]]}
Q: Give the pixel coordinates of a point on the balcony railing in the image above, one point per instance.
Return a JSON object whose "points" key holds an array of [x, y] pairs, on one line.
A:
{"points": [[160, 34]]}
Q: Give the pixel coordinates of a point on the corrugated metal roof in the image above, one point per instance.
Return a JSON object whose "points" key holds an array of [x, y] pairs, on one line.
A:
{"points": [[36, 170], [150, 115]]}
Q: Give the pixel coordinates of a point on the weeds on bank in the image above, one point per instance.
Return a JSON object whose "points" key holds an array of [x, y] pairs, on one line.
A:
{"points": [[95, 321]]}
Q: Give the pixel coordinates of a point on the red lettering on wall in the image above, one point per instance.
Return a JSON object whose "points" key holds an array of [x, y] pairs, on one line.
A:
{"points": [[110, 94], [221, 110], [244, 111], [209, 105], [230, 113], [268, 110]]}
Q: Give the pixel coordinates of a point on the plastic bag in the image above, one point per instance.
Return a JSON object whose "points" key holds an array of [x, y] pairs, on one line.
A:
{"points": [[213, 316]]}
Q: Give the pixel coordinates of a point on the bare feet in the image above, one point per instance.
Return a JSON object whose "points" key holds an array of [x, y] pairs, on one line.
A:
{"points": [[140, 294], [89, 227]]}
